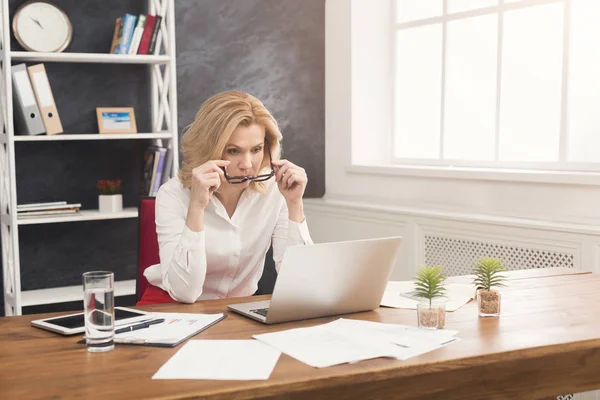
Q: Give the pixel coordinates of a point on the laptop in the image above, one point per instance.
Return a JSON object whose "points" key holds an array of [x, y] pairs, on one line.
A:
{"points": [[327, 279]]}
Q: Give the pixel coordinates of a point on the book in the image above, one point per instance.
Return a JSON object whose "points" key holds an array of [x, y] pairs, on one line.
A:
{"points": [[154, 37], [47, 213], [148, 170], [137, 35], [128, 26], [168, 166], [147, 34], [116, 41], [48, 207], [30, 205], [158, 171]]}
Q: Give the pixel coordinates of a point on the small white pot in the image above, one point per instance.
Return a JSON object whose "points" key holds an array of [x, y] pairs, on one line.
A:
{"points": [[110, 203]]}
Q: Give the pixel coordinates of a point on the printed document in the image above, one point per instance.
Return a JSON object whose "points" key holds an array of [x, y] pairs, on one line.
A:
{"points": [[347, 341]]}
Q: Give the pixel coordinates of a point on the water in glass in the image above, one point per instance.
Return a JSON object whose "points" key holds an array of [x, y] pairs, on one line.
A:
{"points": [[99, 313]]}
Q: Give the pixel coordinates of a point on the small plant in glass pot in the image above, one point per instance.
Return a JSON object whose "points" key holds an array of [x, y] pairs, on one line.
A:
{"points": [[429, 288], [110, 198], [488, 278]]}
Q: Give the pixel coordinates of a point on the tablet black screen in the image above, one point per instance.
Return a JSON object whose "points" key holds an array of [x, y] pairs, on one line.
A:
{"points": [[76, 321]]}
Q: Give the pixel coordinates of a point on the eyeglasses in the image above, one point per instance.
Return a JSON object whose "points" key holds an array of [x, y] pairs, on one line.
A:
{"points": [[258, 178]]}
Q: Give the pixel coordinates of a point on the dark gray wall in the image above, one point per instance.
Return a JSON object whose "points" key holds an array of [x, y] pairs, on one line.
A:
{"points": [[273, 49]]}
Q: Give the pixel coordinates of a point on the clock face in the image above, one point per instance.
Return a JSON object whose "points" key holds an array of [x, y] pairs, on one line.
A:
{"points": [[42, 27]]}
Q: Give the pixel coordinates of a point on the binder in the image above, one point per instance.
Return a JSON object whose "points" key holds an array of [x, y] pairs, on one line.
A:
{"points": [[45, 100], [27, 114]]}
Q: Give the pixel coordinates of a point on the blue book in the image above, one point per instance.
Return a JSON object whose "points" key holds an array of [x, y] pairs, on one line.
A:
{"points": [[128, 27]]}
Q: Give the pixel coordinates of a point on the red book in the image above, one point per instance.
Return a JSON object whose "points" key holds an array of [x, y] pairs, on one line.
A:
{"points": [[147, 35]]}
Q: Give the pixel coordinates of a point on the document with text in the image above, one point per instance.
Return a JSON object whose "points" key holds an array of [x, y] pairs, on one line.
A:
{"points": [[347, 341]]}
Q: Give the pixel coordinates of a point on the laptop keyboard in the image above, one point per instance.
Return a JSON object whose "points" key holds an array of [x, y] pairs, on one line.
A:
{"points": [[260, 311]]}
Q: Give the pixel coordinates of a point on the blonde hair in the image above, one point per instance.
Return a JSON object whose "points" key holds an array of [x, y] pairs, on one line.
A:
{"points": [[218, 117]]}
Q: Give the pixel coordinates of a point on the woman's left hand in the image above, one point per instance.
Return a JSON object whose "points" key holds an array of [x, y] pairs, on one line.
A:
{"points": [[291, 180]]}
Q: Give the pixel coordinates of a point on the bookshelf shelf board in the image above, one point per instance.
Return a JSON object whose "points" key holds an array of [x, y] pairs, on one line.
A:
{"points": [[85, 215], [88, 58], [93, 136], [69, 293]]}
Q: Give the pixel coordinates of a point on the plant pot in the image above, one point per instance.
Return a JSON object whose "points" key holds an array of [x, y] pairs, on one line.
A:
{"points": [[488, 302], [108, 203], [431, 315]]}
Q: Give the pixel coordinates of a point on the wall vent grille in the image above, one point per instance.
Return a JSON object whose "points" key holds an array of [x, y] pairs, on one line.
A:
{"points": [[457, 256]]}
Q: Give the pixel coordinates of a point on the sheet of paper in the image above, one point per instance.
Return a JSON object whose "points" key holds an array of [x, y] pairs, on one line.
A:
{"points": [[346, 341], [458, 295], [409, 341], [176, 327], [319, 347], [221, 360]]}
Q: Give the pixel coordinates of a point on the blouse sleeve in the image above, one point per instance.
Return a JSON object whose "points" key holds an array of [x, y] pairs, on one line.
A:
{"points": [[182, 252], [288, 233]]}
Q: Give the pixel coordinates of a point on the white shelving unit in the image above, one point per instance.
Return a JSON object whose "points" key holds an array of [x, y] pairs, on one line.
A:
{"points": [[164, 132]]}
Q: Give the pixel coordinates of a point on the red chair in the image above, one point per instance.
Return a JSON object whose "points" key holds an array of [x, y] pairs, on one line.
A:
{"points": [[148, 255]]}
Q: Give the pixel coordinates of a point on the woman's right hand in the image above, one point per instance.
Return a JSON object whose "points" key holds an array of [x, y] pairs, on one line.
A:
{"points": [[206, 179]]}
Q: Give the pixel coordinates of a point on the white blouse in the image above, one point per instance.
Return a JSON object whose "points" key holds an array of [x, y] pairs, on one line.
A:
{"points": [[228, 257]]}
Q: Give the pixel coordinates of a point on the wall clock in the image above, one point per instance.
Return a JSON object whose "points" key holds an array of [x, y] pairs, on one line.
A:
{"points": [[39, 25]]}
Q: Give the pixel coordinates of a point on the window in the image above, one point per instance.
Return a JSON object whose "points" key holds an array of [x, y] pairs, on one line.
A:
{"points": [[497, 83]]}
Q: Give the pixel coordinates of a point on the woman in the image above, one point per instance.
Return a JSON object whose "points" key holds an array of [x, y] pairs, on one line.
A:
{"points": [[232, 198]]}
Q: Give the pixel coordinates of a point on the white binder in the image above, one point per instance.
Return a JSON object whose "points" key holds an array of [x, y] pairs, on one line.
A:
{"points": [[28, 120]]}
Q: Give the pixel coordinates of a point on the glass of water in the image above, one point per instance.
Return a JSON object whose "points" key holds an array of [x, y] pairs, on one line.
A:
{"points": [[98, 302]]}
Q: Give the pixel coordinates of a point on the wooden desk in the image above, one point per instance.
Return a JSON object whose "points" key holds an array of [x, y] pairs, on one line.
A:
{"points": [[546, 342]]}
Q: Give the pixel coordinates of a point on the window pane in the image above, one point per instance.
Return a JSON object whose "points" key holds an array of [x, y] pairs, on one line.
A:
{"points": [[455, 6], [470, 105], [418, 92], [411, 10], [531, 84], [584, 82]]}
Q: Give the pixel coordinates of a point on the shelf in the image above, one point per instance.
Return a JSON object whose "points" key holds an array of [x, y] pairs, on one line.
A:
{"points": [[88, 58], [85, 215], [92, 136], [69, 293]]}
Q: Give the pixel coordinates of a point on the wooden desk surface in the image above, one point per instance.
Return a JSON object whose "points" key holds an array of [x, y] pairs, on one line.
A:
{"points": [[546, 342]]}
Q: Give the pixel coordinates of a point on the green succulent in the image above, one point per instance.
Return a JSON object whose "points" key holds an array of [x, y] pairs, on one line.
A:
{"points": [[429, 283], [488, 273]]}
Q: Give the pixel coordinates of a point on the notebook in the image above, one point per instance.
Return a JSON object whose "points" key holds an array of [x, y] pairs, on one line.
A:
{"points": [[175, 329]]}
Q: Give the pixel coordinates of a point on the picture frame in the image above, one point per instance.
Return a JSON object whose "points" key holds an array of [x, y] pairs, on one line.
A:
{"points": [[116, 120]]}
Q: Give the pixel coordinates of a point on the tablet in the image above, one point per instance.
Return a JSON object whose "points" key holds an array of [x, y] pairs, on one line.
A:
{"points": [[73, 323]]}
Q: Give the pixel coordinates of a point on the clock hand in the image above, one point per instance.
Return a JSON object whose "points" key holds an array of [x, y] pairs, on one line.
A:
{"points": [[37, 22]]}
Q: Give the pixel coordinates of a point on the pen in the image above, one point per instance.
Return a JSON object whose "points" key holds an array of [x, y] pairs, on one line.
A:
{"points": [[139, 326], [132, 327]]}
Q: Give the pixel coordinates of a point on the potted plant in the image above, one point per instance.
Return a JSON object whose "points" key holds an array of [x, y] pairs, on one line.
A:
{"points": [[110, 198], [429, 288], [489, 277]]}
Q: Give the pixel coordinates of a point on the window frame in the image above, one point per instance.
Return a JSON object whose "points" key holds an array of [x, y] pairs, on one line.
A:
{"points": [[561, 165]]}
